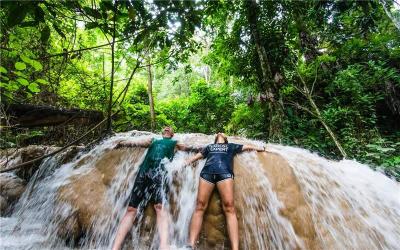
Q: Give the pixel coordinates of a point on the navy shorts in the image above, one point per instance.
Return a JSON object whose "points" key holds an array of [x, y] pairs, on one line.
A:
{"points": [[215, 178], [150, 186]]}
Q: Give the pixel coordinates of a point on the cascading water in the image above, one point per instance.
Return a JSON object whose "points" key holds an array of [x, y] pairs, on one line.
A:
{"points": [[287, 199]]}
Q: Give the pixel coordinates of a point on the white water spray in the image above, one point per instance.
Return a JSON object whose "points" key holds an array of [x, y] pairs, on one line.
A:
{"points": [[350, 206]]}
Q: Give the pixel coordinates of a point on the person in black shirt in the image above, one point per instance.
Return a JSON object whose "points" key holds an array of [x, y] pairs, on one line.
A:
{"points": [[217, 171]]}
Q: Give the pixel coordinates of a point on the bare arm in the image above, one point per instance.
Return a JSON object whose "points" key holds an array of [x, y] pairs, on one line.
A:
{"points": [[127, 144], [194, 158], [251, 147], [183, 147]]}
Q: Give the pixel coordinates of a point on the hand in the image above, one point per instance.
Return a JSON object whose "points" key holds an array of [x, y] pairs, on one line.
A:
{"points": [[186, 163]]}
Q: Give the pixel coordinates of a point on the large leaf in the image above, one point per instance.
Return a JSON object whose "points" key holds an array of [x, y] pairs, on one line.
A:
{"points": [[39, 14], [20, 74], [58, 30], [92, 12], [50, 8], [42, 81], [17, 14], [36, 64], [20, 65], [25, 59], [91, 25], [106, 5], [23, 81], [34, 87], [45, 35], [3, 70], [12, 86]]}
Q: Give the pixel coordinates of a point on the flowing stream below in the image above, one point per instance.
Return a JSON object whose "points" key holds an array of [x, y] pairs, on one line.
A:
{"points": [[288, 198]]}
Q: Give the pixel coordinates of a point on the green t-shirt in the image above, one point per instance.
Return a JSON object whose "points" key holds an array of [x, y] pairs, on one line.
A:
{"points": [[158, 150]]}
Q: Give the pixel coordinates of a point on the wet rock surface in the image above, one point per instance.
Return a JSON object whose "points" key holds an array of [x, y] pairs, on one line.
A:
{"points": [[285, 199], [11, 188], [13, 183], [86, 193], [12, 157]]}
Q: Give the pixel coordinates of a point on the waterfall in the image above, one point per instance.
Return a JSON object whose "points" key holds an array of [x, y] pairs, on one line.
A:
{"points": [[288, 198]]}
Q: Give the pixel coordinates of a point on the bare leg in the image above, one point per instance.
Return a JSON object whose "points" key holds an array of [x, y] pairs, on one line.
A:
{"points": [[203, 196], [225, 189], [162, 225], [124, 227]]}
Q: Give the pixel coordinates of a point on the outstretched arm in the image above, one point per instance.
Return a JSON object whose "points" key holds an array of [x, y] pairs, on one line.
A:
{"points": [[127, 144], [194, 158], [251, 147], [183, 147]]}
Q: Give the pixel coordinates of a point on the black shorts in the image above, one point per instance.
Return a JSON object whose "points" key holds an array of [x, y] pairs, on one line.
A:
{"points": [[149, 186], [214, 178]]}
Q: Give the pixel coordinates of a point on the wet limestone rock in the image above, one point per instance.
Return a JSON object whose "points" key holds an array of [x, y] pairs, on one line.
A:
{"points": [[85, 193], [12, 157], [11, 188]]}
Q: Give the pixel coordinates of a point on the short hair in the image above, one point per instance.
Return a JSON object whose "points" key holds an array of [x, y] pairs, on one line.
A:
{"points": [[170, 129]]}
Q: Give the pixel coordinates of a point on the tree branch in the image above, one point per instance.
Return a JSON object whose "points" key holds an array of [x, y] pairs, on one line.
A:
{"points": [[84, 49]]}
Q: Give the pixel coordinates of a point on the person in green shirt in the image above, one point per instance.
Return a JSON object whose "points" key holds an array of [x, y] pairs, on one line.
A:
{"points": [[150, 184]]}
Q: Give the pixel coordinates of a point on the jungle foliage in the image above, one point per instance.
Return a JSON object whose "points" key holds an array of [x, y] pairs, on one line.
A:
{"points": [[323, 75]]}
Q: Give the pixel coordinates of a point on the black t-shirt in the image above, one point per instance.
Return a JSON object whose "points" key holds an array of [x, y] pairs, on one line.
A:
{"points": [[220, 157]]}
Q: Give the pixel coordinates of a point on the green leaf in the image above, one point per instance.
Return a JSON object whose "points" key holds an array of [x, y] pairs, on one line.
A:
{"points": [[12, 86], [42, 81], [39, 14], [3, 70], [387, 149], [5, 78], [29, 24], [17, 14], [20, 74], [37, 65], [20, 66], [34, 87], [23, 81], [25, 59], [92, 12], [59, 31], [45, 35], [91, 25]]}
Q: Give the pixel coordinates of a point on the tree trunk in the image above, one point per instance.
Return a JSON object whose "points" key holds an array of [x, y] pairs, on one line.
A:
{"points": [[308, 94], [109, 128], [252, 16], [328, 129], [151, 101], [308, 43], [268, 83], [29, 116]]}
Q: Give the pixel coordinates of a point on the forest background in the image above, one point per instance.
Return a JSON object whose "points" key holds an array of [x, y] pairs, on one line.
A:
{"points": [[321, 75]]}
